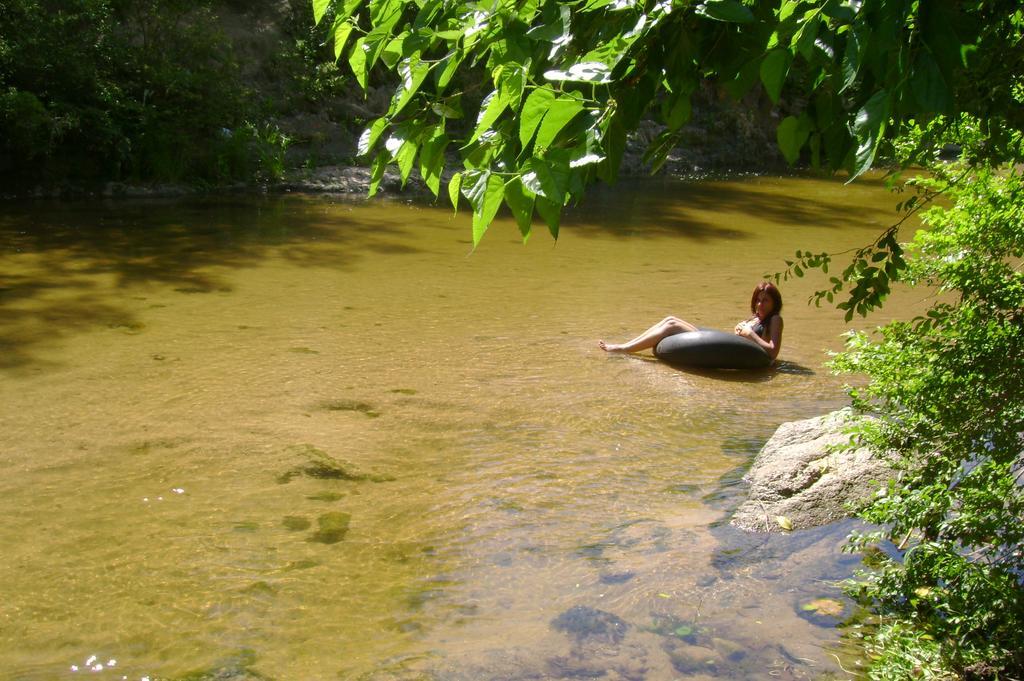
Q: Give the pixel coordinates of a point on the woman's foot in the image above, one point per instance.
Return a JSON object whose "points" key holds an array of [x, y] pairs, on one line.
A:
{"points": [[611, 347]]}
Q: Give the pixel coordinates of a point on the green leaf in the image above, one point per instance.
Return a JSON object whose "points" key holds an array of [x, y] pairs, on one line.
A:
{"points": [[865, 155], [383, 12], [791, 135], [357, 62], [773, 72], [940, 37], [319, 9], [392, 52], [851, 60], [534, 108], [583, 72], [342, 29], [377, 172], [559, 113], [815, 145], [347, 8], [874, 112], [551, 212], [549, 180], [615, 148], [484, 193], [803, 39], [413, 71], [677, 110], [726, 10], [403, 151], [451, 67], [448, 36], [869, 126], [447, 108], [490, 109], [511, 82], [928, 85], [520, 201], [787, 9], [370, 136], [454, 188], [744, 78], [658, 150], [432, 158]]}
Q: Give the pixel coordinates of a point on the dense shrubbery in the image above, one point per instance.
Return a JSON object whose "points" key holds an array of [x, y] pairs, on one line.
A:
{"points": [[93, 90], [947, 388]]}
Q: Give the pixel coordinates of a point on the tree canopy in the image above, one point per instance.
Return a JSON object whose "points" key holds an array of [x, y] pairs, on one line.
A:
{"points": [[538, 96]]}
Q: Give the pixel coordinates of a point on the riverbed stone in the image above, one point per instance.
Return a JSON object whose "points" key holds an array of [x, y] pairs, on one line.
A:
{"points": [[797, 481], [333, 527], [582, 622]]}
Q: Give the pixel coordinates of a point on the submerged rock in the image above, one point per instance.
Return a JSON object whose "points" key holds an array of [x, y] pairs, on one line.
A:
{"points": [[584, 623], [333, 527], [796, 482]]}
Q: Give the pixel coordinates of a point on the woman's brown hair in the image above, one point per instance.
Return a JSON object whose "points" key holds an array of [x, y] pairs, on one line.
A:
{"points": [[772, 292]]}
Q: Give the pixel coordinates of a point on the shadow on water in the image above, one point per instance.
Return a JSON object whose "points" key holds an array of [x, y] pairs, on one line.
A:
{"points": [[155, 242], [674, 207], [733, 375], [747, 375], [776, 557]]}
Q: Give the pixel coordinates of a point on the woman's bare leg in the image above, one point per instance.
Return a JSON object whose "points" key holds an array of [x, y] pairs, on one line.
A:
{"points": [[669, 326]]}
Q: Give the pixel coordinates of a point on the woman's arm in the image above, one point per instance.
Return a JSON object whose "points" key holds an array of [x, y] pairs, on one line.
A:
{"points": [[774, 342]]}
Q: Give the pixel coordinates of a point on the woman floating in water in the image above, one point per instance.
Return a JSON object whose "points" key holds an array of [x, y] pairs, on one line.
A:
{"points": [[764, 328]]}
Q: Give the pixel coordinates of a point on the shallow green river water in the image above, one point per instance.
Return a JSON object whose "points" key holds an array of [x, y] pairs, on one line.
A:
{"points": [[310, 438]]}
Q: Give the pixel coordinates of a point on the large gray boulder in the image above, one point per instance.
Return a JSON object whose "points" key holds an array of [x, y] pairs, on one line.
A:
{"points": [[797, 482]]}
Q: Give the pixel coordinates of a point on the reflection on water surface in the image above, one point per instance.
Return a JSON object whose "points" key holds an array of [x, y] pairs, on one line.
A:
{"points": [[304, 438]]}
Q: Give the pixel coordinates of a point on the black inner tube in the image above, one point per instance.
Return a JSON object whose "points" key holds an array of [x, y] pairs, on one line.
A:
{"points": [[712, 349]]}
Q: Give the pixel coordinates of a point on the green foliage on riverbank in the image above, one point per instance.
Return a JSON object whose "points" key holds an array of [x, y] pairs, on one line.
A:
{"points": [[947, 389], [150, 90]]}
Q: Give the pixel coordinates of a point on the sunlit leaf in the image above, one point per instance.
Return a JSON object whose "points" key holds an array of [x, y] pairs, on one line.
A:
{"points": [[377, 171], [584, 72], [403, 151], [546, 179], [319, 9], [534, 108], [454, 189], [490, 109], [370, 135], [412, 71], [725, 10], [357, 62], [342, 29], [520, 201], [484, 190], [432, 159], [560, 112]]}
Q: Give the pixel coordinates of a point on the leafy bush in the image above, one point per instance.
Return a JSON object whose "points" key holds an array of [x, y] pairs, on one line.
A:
{"points": [[124, 89], [947, 389]]}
